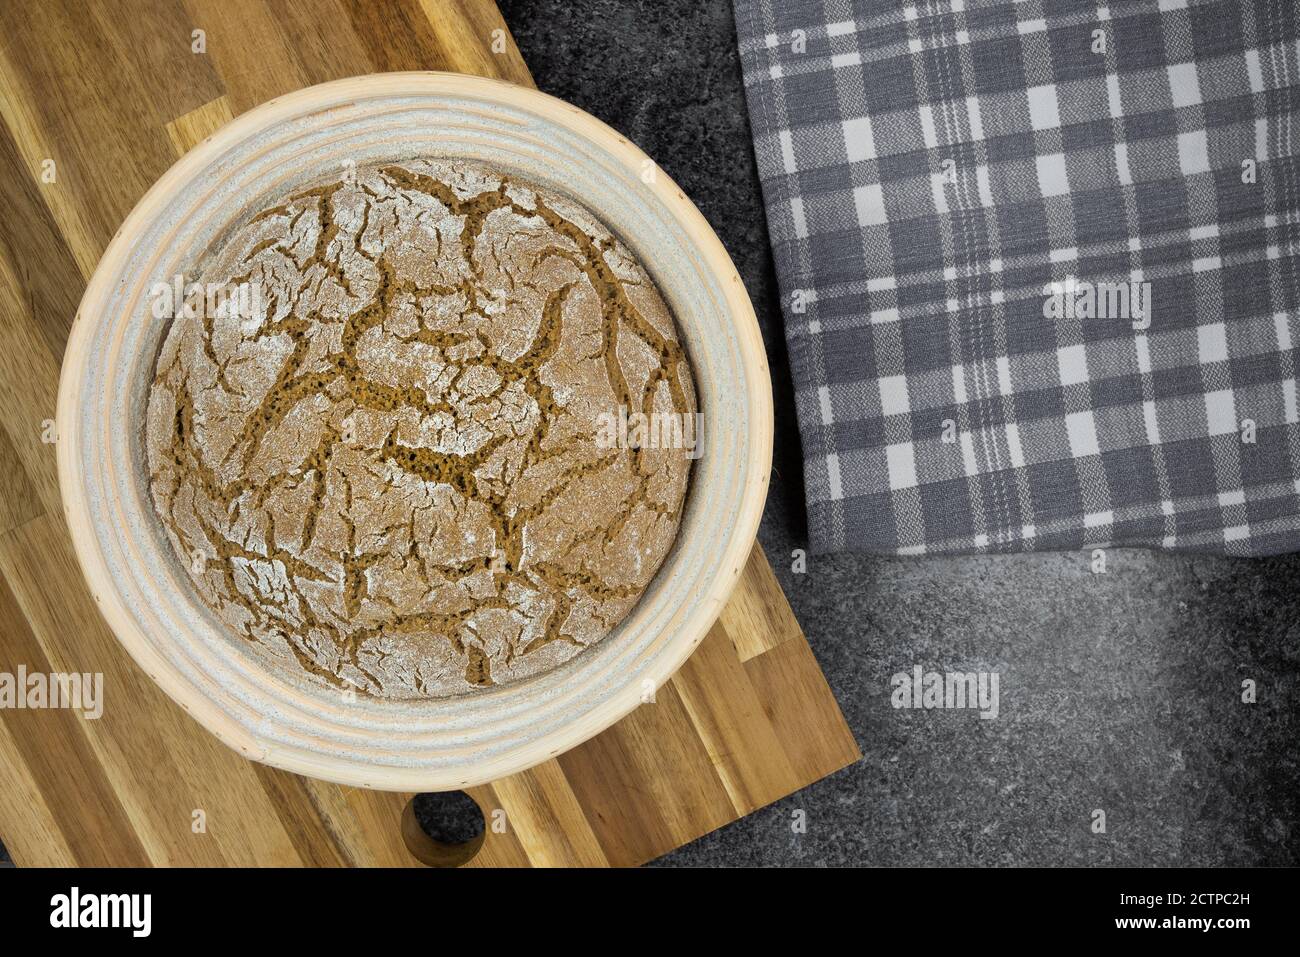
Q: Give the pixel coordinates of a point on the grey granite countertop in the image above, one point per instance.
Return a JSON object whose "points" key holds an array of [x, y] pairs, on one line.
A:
{"points": [[1119, 691]]}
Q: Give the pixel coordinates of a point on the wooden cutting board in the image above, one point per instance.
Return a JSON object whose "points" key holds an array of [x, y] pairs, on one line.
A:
{"points": [[97, 101]]}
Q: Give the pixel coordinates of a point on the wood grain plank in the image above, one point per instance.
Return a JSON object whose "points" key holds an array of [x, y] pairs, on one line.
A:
{"points": [[52, 746], [544, 813], [35, 260], [729, 719], [816, 740], [321, 34], [22, 123], [475, 39], [356, 847], [95, 119], [142, 738], [179, 80], [29, 828], [500, 849], [397, 35], [253, 58], [301, 818], [376, 818], [19, 501], [190, 129], [29, 378], [648, 783], [757, 618]]}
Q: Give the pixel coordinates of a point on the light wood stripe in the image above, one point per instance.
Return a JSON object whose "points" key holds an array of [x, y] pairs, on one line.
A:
{"points": [[194, 127]]}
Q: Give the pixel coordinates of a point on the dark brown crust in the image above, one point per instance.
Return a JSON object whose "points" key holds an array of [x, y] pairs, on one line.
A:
{"points": [[390, 475]]}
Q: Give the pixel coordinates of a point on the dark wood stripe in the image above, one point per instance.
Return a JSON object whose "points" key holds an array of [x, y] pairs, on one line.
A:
{"points": [[61, 761]]}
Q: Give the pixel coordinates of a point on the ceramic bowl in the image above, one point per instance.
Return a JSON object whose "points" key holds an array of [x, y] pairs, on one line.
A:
{"points": [[145, 594]]}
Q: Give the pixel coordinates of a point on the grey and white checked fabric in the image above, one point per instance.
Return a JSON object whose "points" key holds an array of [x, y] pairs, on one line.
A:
{"points": [[931, 169]]}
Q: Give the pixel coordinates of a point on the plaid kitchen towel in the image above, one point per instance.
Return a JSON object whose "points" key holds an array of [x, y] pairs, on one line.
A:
{"points": [[1038, 268]]}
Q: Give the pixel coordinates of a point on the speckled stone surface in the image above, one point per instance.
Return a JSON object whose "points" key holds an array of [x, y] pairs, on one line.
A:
{"points": [[1119, 691]]}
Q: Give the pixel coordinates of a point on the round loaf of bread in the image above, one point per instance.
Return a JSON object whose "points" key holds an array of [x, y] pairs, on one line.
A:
{"points": [[420, 430]]}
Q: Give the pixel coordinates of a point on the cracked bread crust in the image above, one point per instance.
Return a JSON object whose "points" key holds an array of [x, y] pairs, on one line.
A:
{"points": [[385, 474]]}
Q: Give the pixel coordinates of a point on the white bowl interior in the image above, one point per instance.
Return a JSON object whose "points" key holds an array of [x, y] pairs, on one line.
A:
{"points": [[147, 596]]}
